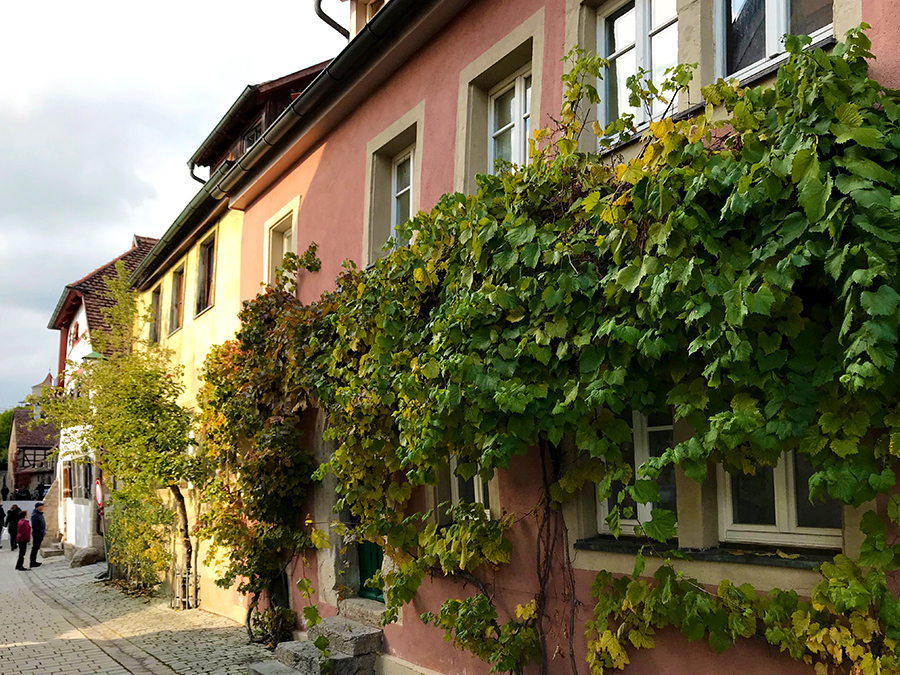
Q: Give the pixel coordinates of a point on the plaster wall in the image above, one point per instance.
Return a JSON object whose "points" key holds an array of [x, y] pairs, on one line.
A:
{"points": [[190, 344], [79, 345], [330, 183], [199, 332]]}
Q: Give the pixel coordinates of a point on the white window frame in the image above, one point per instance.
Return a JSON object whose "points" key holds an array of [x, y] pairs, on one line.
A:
{"points": [[777, 25], [407, 154], [521, 116], [640, 434], [282, 227], [644, 32], [479, 486], [785, 532]]}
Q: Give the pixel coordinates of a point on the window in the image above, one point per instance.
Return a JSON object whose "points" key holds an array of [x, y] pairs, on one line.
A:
{"points": [[393, 177], [509, 121], [281, 237], [176, 309], [74, 336], [652, 435], [641, 34], [154, 315], [206, 271], [252, 135], [753, 29], [67, 480], [401, 190], [772, 507], [470, 491]]}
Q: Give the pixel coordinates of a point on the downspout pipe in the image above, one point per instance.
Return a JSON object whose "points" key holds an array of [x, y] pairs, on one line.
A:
{"points": [[373, 35], [331, 22], [191, 167]]}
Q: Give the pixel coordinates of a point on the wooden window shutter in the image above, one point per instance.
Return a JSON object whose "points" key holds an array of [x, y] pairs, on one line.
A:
{"points": [[67, 485]]}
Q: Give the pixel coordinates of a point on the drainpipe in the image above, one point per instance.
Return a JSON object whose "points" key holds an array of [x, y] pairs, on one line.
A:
{"points": [[197, 178], [331, 22]]}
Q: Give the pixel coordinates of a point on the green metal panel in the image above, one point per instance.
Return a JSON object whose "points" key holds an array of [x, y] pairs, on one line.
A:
{"points": [[370, 559]]}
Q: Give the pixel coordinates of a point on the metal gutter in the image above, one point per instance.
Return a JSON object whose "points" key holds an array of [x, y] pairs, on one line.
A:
{"points": [[203, 197], [362, 49]]}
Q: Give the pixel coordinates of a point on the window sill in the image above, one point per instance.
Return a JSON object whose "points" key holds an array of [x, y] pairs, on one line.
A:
{"points": [[765, 556], [174, 331], [204, 310]]}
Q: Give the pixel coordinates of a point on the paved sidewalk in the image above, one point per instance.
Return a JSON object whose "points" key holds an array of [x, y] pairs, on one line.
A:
{"points": [[55, 620]]}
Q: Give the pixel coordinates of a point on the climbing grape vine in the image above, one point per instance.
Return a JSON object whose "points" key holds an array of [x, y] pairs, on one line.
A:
{"points": [[740, 269]]}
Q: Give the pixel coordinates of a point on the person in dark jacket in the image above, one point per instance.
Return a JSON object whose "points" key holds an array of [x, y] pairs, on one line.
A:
{"points": [[11, 522], [23, 536], [2, 521], [38, 530]]}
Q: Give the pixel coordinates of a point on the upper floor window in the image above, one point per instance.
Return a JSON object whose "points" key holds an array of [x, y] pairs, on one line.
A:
{"points": [[652, 435], [252, 135], [176, 307], [154, 315], [281, 241], [206, 274], [468, 490], [640, 34], [401, 189], [509, 121], [772, 507], [754, 29]]}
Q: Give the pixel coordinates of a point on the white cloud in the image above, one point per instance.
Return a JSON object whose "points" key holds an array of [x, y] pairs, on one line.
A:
{"points": [[103, 104]]}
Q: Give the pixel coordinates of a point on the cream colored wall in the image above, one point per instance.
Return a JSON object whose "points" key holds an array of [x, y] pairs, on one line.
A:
{"points": [[199, 332], [190, 344]]}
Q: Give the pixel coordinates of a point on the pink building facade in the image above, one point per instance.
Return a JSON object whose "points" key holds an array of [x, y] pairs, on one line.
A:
{"points": [[427, 95]]}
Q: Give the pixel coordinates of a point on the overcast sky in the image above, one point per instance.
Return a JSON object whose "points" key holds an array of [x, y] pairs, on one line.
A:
{"points": [[101, 105]]}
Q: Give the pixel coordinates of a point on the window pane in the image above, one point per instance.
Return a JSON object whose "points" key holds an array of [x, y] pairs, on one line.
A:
{"points": [[660, 441], [663, 55], [753, 497], [620, 30], [404, 173], [287, 244], [663, 10], [527, 95], [819, 514], [628, 458], [503, 108], [466, 490], [620, 70], [807, 16], [402, 207], [485, 495], [503, 146], [746, 38]]}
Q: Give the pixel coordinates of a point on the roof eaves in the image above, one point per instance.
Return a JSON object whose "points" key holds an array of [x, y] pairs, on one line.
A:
{"points": [[180, 224]]}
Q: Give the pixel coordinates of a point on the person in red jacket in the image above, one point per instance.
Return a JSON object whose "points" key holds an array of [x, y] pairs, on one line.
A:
{"points": [[23, 536]]}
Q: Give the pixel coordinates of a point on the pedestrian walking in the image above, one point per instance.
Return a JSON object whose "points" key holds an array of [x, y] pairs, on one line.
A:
{"points": [[5, 491], [2, 523], [23, 532], [11, 523], [38, 529]]}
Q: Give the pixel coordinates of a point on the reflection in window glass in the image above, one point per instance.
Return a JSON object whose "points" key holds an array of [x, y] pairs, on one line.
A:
{"points": [[807, 16], [753, 497], [662, 11], [745, 33], [660, 440], [819, 514], [620, 69], [664, 52]]}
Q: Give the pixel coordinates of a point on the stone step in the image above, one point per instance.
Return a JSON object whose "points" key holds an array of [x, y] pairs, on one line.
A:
{"points": [[269, 668], [51, 552], [350, 637], [304, 657]]}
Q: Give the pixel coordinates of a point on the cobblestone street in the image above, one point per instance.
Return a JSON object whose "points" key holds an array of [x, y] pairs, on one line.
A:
{"points": [[58, 621]]}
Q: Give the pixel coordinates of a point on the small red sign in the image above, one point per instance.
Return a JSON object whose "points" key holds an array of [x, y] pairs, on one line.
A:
{"points": [[98, 493]]}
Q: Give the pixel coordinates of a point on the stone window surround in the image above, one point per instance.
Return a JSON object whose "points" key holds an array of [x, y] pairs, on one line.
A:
{"points": [[292, 210], [406, 132], [698, 529], [523, 45]]}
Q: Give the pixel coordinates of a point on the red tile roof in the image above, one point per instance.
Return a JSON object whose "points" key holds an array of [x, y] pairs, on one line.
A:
{"points": [[92, 288], [40, 436]]}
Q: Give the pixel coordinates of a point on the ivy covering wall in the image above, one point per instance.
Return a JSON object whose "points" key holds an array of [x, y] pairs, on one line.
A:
{"points": [[742, 272]]}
